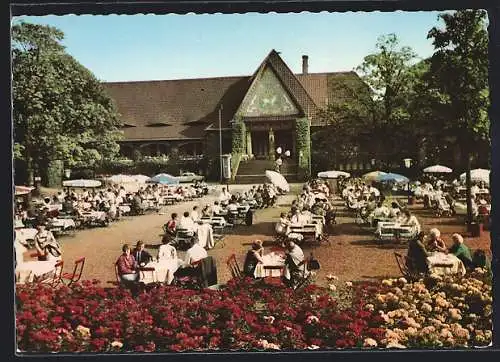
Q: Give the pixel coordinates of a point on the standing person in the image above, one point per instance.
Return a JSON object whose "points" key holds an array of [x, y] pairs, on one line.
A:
{"points": [[195, 214], [277, 164], [46, 245]]}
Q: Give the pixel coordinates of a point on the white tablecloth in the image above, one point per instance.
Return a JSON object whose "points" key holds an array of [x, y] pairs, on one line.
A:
{"points": [[62, 223], [26, 271], [271, 259], [437, 259], [24, 234], [163, 273], [97, 215], [205, 235], [124, 209]]}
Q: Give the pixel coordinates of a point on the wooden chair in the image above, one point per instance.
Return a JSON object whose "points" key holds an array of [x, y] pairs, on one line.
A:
{"points": [[71, 278], [268, 274], [234, 267]]}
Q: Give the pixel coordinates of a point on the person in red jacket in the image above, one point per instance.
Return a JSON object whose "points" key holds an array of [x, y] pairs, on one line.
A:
{"points": [[127, 266]]}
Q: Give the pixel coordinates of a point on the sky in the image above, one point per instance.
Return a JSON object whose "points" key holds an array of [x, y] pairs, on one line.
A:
{"points": [[155, 47]]}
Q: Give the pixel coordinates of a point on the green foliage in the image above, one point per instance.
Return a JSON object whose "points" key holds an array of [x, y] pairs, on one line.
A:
{"points": [[238, 137], [154, 165], [60, 109], [116, 166], [303, 146], [54, 174]]}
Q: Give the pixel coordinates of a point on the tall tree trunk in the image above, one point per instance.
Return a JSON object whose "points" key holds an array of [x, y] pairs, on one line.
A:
{"points": [[468, 184]]}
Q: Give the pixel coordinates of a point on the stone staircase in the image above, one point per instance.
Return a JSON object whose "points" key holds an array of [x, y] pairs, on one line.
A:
{"points": [[253, 171]]}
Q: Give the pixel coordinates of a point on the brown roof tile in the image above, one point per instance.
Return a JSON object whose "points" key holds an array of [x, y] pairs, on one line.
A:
{"points": [[189, 106]]}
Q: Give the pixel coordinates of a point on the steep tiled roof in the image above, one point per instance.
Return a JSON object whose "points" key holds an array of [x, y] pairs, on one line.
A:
{"points": [[186, 107]]}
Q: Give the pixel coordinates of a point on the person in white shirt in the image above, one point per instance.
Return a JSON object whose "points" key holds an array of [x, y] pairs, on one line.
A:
{"points": [[187, 223], [194, 254], [166, 252], [195, 216], [216, 209], [224, 197], [233, 206]]}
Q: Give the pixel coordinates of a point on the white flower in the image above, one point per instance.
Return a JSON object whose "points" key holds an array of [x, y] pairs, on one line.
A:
{"points": [[393, 344], [332, 287], [312, 347], [312, 319], [270, 319], [117, 344], [369, 342], [348, 284], [84, 331], [403, 280]]}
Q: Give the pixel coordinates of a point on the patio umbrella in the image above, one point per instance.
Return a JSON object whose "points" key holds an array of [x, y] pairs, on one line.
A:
{"points": [[23, 190], [372, 176], [164, 179], [82, 183], [140, 178], [477, 175], [121, 179], [278, 180], [437, 169], [333, 174], [394, 177]]}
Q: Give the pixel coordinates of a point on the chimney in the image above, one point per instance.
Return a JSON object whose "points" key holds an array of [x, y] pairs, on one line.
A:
{"points": [[305, 64]]}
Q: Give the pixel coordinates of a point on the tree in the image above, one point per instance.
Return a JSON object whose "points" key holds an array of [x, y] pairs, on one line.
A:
{"points": [[459, 74], [61, 111]]}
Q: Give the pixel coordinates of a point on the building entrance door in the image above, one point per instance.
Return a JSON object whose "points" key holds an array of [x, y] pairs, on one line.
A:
{"points": [[260, 144], [284, 139]]}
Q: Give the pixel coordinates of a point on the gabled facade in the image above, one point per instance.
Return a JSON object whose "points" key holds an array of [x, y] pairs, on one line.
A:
{"points": [[255, 114]]}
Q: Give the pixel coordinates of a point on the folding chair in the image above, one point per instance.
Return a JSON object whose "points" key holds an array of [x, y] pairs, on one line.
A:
{"points": [[269, 278], [71, 278], [403, 262], [305, 276], [52, 279], [233, 266]]}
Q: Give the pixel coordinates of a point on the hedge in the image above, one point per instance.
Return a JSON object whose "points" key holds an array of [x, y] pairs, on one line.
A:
{"points": [[303, 145]]}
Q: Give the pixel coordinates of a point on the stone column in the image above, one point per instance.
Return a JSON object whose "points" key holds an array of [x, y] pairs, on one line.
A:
{"points": [[249, 142], [271, 150]]}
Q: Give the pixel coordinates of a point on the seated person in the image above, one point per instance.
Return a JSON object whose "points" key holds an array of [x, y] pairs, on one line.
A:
{"points": [[171, 226], [394, 211], [142, 257], [411, 220], [224, 197], [233, 205], [318, 208], [46, 245], [283, 226], [380, 212], [195, 216], [216, 209], [417, 254], [461, 251], [127, 266], [166, 252], [253, 257], [187, 223], [435, 243], [480, 260], [194, 254], [294, 261], [206, 212]]}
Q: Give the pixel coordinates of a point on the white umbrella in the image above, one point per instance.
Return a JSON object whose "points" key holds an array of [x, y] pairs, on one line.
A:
{"points": [[140, 178], [121, 179], [477, 175], [278, 180], [23, 190], [81, 183], [333, 174], [438, 169], [373, 175]]}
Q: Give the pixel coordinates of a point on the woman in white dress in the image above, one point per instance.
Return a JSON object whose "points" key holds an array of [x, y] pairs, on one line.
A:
{"points": [[167, 260]]}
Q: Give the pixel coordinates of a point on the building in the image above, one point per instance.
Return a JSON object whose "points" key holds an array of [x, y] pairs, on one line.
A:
{"points": [[254, 115]]}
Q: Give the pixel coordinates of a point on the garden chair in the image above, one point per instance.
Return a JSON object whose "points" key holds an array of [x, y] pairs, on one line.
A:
{"points": [[233, 266], [52, 278], [268, 274], [71, 278], [403, 263]]}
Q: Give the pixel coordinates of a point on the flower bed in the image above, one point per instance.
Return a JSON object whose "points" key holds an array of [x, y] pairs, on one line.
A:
{"points": [[246, 316]]}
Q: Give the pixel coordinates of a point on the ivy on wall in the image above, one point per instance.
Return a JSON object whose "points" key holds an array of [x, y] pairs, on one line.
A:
{"points": [[238, 145], [303, 146]]}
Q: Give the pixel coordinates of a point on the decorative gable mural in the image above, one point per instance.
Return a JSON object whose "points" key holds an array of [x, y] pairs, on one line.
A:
{"points": [[267, 97]]}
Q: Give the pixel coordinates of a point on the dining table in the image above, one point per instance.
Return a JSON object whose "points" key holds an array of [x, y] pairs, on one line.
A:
{"points": [[440, 263], [27, 271], [163, 272], [275, 260]]}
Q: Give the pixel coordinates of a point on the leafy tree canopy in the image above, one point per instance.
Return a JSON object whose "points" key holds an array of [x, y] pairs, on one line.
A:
{"points": [[61, 111]]}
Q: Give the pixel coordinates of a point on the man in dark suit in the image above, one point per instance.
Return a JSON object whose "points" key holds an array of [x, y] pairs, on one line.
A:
{"points": [[141, 256]]}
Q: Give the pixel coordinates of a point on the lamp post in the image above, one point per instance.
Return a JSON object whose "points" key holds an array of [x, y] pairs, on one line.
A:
{"points": [[407, 163]]}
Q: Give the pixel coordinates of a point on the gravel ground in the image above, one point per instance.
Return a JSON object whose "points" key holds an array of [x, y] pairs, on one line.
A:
{"points": [[352, 253]]}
